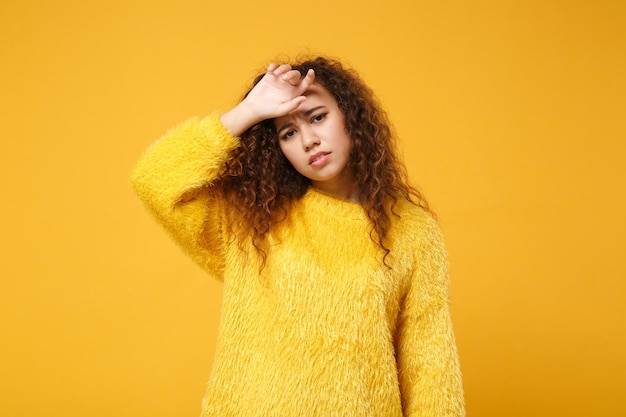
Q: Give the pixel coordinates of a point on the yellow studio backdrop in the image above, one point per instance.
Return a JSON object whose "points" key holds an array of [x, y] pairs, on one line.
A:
{"points": [[512, 119]]}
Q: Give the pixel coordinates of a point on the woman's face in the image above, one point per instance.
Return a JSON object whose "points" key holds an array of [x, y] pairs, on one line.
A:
{"points": [[313, 138]]}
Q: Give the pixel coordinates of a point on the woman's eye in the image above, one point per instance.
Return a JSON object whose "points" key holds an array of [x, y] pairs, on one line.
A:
{"points": [[318, 118], [289, 134]]}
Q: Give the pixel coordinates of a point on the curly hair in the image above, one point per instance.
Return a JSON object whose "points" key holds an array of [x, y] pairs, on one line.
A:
{"points": [[260, 182]]}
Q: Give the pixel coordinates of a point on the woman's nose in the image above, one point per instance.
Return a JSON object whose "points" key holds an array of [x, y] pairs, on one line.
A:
{"points": [[309, 140]]}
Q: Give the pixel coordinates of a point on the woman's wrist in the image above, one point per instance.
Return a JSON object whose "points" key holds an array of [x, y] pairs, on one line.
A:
{"points": [[239, 119]]}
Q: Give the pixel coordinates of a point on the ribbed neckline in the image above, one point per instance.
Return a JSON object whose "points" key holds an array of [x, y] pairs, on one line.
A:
{"points": [[333, 206]]}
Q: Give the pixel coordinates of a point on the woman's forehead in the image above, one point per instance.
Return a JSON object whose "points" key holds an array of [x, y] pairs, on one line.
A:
{"points": [[318, 93], [315, 89], [316, 98]]}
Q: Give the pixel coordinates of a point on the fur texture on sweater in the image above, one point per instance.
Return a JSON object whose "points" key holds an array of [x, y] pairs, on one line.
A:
{"points": [[327, 330]]}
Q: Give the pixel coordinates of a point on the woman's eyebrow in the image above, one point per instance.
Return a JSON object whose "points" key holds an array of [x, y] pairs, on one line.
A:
{"points": [[283, 127], [313, 110], [305, 114]]}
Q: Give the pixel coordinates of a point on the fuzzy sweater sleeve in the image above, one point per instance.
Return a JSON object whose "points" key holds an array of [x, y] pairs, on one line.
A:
{"points": [[428, 366], [174, 181]]}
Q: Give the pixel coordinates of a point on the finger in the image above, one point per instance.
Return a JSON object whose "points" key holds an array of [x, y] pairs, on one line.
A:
{"points": [[281, 69], [292, 77], [291, 105], [271, 67], [307, 81]]}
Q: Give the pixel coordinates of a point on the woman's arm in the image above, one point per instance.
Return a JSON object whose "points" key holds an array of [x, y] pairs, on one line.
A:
{"points": [[428, 366], [175, 177], [174, 181]]}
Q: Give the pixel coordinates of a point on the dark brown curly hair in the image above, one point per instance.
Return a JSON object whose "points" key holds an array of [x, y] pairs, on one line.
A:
{"points": [[260, 182]]}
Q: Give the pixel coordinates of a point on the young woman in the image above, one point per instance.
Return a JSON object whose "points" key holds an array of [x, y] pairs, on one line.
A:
{"points": [[335, 288]]}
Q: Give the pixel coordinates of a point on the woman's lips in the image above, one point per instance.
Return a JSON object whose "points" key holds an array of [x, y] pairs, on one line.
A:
{"points": [[318, 159]]}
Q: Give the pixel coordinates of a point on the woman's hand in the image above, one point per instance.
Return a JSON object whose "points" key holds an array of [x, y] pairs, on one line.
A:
{"points": [[278, 93]]}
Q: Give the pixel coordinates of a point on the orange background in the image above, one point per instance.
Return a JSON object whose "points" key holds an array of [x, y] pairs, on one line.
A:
{"points": [[512, 120]]}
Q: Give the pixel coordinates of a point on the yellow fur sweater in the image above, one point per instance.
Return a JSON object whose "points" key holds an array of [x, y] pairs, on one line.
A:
{"points": [[327, 330]]}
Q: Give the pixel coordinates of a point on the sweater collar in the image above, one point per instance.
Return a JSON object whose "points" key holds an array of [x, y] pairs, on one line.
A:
{"points": [[332, 206]]}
